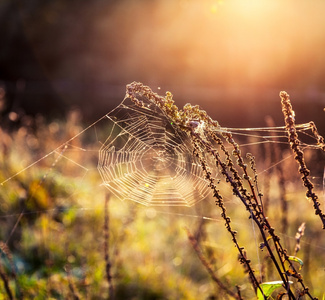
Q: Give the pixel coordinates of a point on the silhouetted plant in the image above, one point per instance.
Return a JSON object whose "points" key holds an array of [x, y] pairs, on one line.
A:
{"points": [[209, 140]]}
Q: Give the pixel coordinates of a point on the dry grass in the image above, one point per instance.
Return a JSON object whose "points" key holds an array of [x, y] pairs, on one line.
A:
{"points": [[57, 249]]}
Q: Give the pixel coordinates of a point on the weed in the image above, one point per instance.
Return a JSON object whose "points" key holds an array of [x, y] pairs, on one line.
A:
{"points": [[55, 207]]}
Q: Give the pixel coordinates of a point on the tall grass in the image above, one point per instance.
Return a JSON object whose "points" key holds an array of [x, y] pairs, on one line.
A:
{"points": [[73, 242]]}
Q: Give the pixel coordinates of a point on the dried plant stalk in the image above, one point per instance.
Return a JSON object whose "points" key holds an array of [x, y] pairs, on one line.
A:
{"points": [[299, 234], [289, 118], [106, 250], [208, 140], [208, 267]]}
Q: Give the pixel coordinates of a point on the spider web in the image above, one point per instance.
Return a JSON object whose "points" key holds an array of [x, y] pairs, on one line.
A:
{"points": [[143, 157], [148, 160]]}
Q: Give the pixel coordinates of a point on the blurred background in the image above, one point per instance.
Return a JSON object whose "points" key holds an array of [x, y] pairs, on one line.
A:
{"points": [[64, 64], [231, 57]]}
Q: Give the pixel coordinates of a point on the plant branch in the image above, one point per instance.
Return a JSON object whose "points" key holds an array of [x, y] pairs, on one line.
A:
{"points": [[205, 263]]}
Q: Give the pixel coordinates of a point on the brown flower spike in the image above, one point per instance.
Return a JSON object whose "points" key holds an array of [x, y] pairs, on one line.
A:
{"points": [[289, 118]]}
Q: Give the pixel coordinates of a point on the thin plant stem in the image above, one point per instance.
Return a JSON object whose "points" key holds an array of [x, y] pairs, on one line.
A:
{"points": [[106, 250], [6, 284], [71, 284], [261, 220], [208, 267], [281, 179], [204, 133], [219, 202]]}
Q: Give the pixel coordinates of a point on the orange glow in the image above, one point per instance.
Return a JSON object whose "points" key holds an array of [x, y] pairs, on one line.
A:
{"points": [[229, 44], [253, 42]]}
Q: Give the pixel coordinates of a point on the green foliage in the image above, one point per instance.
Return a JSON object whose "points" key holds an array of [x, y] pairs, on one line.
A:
{"points": [[268, 288], [298, 260]]}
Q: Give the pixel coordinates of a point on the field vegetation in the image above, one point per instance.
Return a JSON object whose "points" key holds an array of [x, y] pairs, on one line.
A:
{"points": [[63, 236], [65, 230]]}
